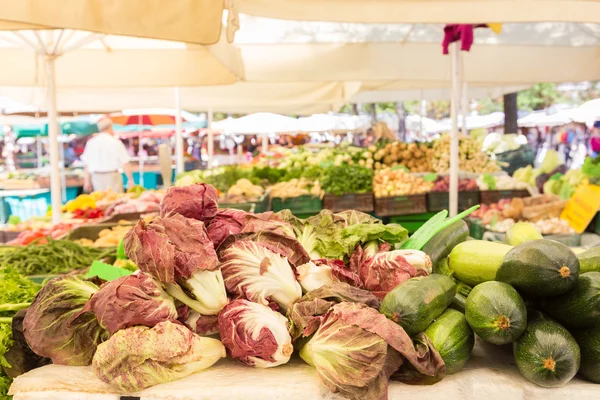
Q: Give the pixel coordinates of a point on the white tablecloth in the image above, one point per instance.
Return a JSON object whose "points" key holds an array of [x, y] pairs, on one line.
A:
{"points": [[490, 375]]}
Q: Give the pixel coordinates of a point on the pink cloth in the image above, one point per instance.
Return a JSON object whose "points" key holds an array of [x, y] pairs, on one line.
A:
{"points": [[595, 144], [463, 32]]}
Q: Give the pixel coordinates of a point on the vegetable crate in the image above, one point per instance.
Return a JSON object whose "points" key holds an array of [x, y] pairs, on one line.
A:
{"points": [[438, 201], [568, 239], [355, 201], [113, 219], [7, 236], [400, 205], [90, 232], [305, 205], [259, 206], [493, 196]]}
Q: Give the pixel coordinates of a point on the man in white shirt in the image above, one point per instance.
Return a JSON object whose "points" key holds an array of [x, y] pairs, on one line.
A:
{"points": [[104, 156]]}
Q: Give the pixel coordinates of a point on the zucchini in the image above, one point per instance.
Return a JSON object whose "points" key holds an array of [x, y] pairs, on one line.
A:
{"points": [[452, 338], [579, 308], [522, 232], [442, 243], [589, 260], [496, 312], [477, 261], [589, 343], [547, 354], [540, 267], [415, 303]]}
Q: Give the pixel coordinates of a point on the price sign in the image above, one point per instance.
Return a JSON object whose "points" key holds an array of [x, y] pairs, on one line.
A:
{"points": [[582, 207]]}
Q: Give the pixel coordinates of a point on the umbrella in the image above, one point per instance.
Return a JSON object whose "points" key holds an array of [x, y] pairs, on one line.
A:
{"points": [[151, 117], [192, 21]]}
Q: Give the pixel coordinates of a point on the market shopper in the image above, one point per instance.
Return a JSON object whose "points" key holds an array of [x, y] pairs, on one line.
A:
{"points": [[104, 158]]}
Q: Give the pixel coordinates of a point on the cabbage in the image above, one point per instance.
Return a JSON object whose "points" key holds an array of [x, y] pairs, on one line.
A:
{"points": [[131, 300], [203, 325], [356, 349], [267, 221], [259, 272], [386, 270], [522, 232], [551, 161], [319, 272], [178, 252], [58, 327], [197, 201], [226, 222], [255, 335], [139, 357]]}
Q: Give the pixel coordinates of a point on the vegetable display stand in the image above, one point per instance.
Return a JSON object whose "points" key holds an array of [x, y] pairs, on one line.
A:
{"points": [[113, 219], [7, 236], [400, 205], [493, 196], [259, 206], [302, 205], [354, 201], [438, 201], [569, 239]]}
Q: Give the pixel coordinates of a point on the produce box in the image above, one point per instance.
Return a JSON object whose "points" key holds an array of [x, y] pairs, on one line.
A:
{"points": [[7, 236], [90, 232], [354, 201], [305, 205], [113, 219], [493, 196], [259, 206], [438, 201], [400, 205]]}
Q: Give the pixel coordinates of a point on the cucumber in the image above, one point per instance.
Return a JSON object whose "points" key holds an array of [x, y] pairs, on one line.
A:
{"points": [[522, 232], [589, 260], [579, 308], [452, 338], [496, 312], [589, 343], [442, 243], [547, 354], [540, 267], [477, 261], [415, 303]]}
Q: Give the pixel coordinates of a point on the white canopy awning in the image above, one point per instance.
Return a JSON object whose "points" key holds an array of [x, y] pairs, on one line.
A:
{"points": [[420, 11], [334, 123], [259, 123]]}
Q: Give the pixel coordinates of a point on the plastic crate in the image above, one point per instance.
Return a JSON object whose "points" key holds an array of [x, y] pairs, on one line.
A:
{"points": [[7, 236], [90, 232], [494, 196], [476, 230], [305, 205], [113, 219], [400, 205], [354, 201], [438, 201], [259, 206]]}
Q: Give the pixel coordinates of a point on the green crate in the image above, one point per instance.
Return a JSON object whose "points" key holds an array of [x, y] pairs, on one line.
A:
{"points": [[476, 230], [259, 206], [305, 204], [351, 201], [438, 201]]}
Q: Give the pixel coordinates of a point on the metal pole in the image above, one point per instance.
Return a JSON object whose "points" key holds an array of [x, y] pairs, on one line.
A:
{"points": [[55, 192], [464, 104], [265, 143], [179, 162], [210, 145], [454, 101], [38, 145]]}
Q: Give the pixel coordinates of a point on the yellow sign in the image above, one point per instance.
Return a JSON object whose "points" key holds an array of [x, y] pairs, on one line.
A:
{"points": [[582, 207]]}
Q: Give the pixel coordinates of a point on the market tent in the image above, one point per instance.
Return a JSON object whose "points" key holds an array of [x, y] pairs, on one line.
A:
{"points": [[545, 118], [76, 58], [151, 116], [587, 113], [419, 11], [192, 21], [295, 51], [334, 123], [300, 98], [375, 92], [73, 127], [259, 123]]}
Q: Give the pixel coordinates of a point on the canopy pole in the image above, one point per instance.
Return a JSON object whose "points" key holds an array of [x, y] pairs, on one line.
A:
{"points": [[38, 146], [454, 101], [179, 162], [55, 191], [464, 105], [265, 143], [210, 145]]}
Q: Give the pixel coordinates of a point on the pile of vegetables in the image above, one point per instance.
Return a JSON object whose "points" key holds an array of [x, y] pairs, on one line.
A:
{"points": [[296, 188], [413, 156], [16, 294], [109, 237], [555, 334], [53, 257], [500, 182], [397, 182], [339, 180], [470, 156], [243, 191], [442, 184], [342, 289]]}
